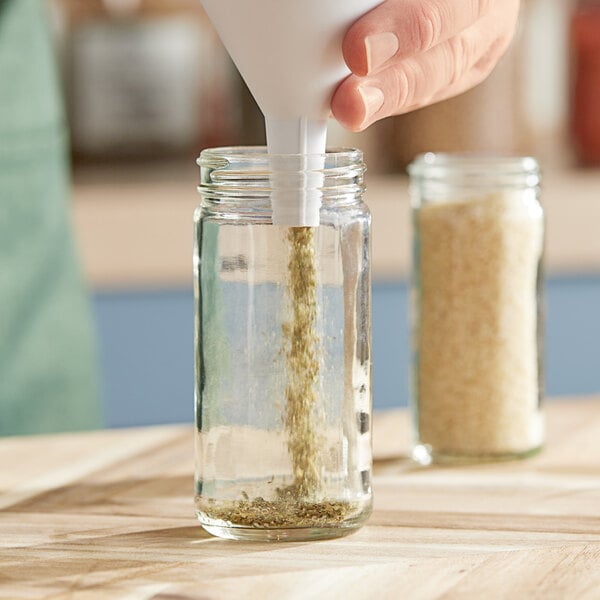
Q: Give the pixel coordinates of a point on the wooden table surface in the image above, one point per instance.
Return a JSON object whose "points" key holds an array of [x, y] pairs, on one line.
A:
{"points": [[109, 515]]}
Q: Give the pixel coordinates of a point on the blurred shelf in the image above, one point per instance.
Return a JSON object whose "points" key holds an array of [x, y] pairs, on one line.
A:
{"points": [[134, 227]]}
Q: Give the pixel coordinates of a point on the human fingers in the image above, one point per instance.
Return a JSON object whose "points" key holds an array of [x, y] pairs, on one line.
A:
{"points": [[402, 28], [445, 70]]}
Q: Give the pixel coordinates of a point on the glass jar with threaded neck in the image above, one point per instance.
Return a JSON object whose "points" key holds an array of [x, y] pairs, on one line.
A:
{"points": [[282, 348], [477, 309]]}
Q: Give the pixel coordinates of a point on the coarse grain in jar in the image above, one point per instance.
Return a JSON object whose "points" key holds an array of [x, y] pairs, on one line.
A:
{"points": [[477, 308]]}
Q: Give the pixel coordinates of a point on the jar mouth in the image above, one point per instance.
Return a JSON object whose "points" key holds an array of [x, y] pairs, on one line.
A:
{"points": [[225, 156], [292, 184], [476, 169]]}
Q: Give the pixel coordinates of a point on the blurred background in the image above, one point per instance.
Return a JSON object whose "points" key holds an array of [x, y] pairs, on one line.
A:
{"points": [[148, 85]]}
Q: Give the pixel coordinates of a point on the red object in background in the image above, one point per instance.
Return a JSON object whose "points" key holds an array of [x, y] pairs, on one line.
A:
{"points": [[585, 108]]}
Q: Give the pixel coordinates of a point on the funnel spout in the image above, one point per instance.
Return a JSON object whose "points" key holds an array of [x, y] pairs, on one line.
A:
{"points": [[297, 146], [296, 135]]}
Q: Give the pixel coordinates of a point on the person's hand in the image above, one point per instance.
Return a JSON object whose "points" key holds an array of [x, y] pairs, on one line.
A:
{"points": [[406, 54]]}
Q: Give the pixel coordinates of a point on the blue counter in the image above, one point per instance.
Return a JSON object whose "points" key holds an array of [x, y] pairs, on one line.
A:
{"points": [[146, 348]]}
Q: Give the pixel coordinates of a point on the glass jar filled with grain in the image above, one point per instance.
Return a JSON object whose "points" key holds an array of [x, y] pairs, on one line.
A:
{"points": [[283, 349], [477, 310]]}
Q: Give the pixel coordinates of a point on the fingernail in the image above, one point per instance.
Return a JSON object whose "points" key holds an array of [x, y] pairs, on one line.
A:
{"points": [[380, 47], [372, 98]]}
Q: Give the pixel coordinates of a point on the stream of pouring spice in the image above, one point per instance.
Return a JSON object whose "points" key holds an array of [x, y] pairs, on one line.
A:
{"points": [[302, 358]]}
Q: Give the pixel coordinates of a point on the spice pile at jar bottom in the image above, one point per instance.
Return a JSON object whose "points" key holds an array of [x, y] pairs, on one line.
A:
{"points": [[477, 371], [284, 512]]}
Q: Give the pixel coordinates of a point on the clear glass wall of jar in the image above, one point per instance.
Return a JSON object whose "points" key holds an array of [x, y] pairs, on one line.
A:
{"points": [[283, 353], [477, 308]]}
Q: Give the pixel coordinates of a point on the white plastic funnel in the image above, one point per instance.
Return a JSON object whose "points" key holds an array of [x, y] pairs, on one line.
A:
{"points": [[289, 52]]}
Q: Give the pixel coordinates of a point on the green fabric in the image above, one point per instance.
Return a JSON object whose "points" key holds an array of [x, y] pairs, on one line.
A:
{"points": [[48, 375]]}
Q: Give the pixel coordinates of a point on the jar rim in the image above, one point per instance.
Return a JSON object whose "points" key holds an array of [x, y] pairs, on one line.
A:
{"points": [[223, 155], [232, 177], [438, 165]]}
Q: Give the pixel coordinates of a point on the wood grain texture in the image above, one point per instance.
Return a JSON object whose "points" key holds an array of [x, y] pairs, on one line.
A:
{"points": [[110, 515]]}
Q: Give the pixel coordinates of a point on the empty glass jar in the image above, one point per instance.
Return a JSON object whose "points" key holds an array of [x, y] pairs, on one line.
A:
{"points": [[283, 351], [477, 308]]}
